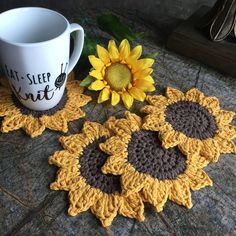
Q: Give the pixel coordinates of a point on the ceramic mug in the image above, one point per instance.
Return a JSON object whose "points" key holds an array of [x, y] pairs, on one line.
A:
{"points": [[34, 54]]}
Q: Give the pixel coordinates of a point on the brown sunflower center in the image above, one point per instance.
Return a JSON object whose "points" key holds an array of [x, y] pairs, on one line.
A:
{"points": [[91, 162], [192, 119], [26, 111], [118, 76], [147, 155]]}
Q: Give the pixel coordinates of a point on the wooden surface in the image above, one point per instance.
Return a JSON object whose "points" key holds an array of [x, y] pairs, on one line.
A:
{"points": [[191, 42], [29, 207]]}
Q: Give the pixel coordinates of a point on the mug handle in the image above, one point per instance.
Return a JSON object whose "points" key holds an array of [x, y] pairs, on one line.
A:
{"points": [[78, 45]]}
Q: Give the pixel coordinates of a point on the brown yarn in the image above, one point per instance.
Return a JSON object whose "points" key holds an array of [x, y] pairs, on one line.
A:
{"points": [[91, 162], [192, 119], [147, 155]]}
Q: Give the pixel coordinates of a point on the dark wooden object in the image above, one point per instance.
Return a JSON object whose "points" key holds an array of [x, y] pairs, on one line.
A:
{"points": [[191, 42]]}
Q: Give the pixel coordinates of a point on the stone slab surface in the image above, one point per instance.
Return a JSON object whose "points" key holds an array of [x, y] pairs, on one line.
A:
{"points": [[29, 207]]}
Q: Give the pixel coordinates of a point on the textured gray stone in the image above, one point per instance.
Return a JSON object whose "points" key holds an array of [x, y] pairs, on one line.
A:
{"points": [[29, 207]]}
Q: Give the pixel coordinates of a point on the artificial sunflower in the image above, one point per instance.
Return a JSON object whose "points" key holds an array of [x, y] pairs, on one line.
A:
{"points": [[80, 174], [144, 165], [192, 121], [17, 116], [119, 73]]}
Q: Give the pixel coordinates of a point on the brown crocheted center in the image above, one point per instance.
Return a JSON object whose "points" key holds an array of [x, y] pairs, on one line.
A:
{"points": [[146, 155], [26, 111], [91, 162], [192, 119]]}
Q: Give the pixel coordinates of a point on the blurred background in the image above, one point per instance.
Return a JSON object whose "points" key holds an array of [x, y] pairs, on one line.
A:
{"points": [[151, 10]]}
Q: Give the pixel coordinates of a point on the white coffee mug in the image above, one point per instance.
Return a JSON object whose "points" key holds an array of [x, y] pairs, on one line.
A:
{"points": [[34, 54]]}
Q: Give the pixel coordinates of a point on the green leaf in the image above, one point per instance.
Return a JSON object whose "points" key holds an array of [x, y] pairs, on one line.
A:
{"points": [[112, 25], [87, 81], [153, 55]]}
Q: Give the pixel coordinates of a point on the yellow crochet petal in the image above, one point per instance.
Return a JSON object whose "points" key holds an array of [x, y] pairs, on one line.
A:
{"points": [[113, 51], [104, 95], [115, 98], [62, 159], [74, 87], [106, 208], [55, 122], [96, 74], [194, 95], [180, 193], [224, 117], [103, 54], [212, 104], [96, 62], [154, 122], [210, 149], [13, 122], [156, 193], [227, 132], [82, 199], [133, 181], [64, 179], [113, 145], [33, 126], [171, 139], [174, 94], [158, 100], [149, 109], [124, 49], [190, 146], [137, 94], [136, 121], [132, 206], [115, 164], [199, 180]]}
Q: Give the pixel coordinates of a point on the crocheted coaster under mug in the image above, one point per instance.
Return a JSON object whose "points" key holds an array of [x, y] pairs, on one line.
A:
{"points": [[16, 116]]}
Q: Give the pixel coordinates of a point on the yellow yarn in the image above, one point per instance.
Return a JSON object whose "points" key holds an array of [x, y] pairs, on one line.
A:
{"points": [[34, 126], [82, 195], [153, 190], [209, 148]]}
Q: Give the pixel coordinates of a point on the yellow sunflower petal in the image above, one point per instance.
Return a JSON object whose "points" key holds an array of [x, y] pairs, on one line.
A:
{"points": [[124, 49], [210, 149], [144, 85], [180, 193], [142, 64], [113, 51], [136, 121], [115, 98], [137, 94], [82, 199], [224, 117], [113, 146], [156, 193], [127, 99], [132, 206], [154, 122], [62, 158], [190, 146], [212, 103], [157, 100], [173, 138], [136, 53], [149, 79], [174, 94], [199, 180], [104, 95], [96, 74], [96, 62], [34, 127], [97, 85], [13, 122], [226, 146], [227, 132], [143, 73], [106, 208], [103, 54]]}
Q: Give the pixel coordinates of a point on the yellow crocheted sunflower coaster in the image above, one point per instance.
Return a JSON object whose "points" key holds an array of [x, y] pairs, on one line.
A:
{"points": [[17, 116], [192, 121], [80, 174], [144, 165]]}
